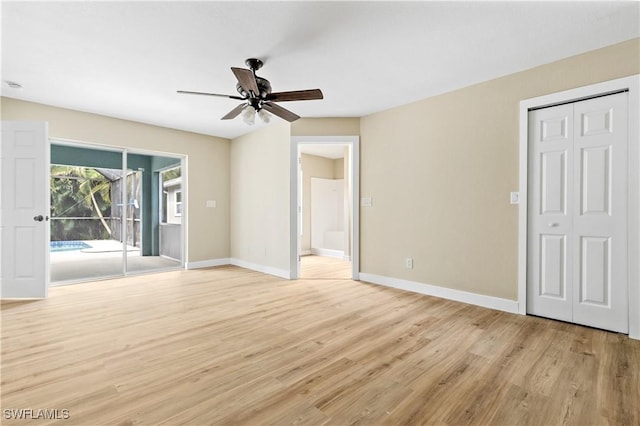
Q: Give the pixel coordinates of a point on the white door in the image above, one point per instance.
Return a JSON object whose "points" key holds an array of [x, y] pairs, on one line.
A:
{"points": [[24, 210], [577, 235]]}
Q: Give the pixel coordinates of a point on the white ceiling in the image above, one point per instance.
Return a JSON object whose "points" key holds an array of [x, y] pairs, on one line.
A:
{"points": [[127, 59]]}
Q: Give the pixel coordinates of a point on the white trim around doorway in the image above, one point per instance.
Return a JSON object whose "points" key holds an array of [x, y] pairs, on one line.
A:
{"points": [[632, 85], [353, 142]]}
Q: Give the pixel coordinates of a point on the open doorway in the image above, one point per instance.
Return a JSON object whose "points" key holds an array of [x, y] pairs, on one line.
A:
{"points": [[325, 245], [325, 194]]}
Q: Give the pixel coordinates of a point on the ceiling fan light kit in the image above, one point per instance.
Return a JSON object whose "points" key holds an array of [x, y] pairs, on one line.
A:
{"points": [[264, 116], [257, 96], [249, 115]]}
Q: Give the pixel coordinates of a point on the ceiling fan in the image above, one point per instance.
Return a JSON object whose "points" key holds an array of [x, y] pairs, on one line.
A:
{"points": [[256, 92]]}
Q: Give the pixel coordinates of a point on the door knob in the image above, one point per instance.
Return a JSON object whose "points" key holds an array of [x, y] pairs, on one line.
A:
{"points": [[38, 218]]}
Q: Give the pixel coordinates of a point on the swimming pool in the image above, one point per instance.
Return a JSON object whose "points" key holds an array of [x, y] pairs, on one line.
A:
{"points": [[56, 246]]}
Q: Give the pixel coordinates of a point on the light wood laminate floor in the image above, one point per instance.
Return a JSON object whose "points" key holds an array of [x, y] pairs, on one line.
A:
{"points": [[322, 267], [228, 346]]}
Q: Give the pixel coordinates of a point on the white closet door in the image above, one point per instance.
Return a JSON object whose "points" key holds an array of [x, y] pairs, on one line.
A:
{"points": [[549, 274], [577, 253], [600, 219]]}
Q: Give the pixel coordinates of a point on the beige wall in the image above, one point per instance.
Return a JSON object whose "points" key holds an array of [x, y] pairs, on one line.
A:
{"points": [[260, 172], [338, 168], [312, 166], [440, 171], [326, 127], [207, 167]]}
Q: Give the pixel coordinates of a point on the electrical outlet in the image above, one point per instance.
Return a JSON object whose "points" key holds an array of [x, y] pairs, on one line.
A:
{"points": [[408, 263]]}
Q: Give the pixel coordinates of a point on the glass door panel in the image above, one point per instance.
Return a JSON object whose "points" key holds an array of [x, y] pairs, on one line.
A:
{"points": [[152, 243], [85, 224]]}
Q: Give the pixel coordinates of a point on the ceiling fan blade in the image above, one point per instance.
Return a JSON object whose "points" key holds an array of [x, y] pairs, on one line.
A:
{"points": [[280, 112], [186, 92], [234, 112], [295, 95], [246, 79]]}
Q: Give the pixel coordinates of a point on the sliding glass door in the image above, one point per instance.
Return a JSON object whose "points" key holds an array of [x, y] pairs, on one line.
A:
{"points": [[107, 215]]}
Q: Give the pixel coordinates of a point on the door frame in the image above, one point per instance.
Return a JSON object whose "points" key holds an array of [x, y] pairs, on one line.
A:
{"points": [[632, 85], [353, 142]]}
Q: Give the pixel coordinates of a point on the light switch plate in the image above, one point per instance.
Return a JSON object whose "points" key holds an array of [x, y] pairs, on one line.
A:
{"points": [[515, 198], [366, 202], [211, 203]]}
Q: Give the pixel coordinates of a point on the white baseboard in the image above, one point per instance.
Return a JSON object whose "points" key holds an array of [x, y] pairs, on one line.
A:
{"points": [[20, 299], [305, 252], [490, 302], [238, 262], [207, 263], [261, 268], [338, 254]]}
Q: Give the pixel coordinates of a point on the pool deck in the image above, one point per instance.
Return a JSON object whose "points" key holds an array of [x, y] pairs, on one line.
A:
{"points": [[103, 259]]}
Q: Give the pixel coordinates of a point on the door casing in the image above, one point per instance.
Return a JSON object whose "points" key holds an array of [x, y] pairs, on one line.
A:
{"points": [[632, 85], [294, 244]]}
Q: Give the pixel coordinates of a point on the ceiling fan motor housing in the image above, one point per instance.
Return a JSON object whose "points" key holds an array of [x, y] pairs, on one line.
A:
{"points": [[264, 88]]}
